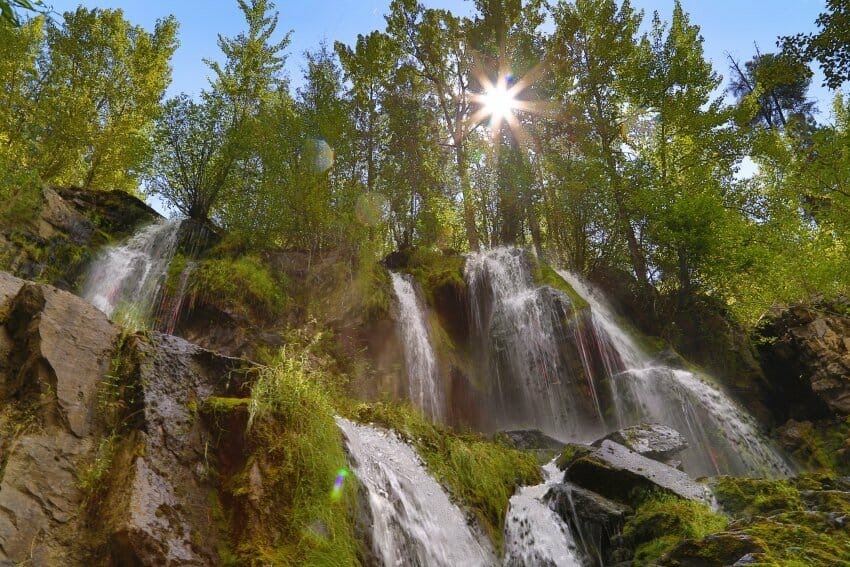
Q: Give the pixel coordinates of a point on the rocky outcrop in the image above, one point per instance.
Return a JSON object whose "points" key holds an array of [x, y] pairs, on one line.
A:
{"points": [[805, 351], [652, 440], [55, 244], [103, 456], [621, 474]]}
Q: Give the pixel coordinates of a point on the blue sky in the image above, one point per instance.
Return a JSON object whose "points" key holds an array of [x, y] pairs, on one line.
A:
{"points": [[727, 25]]}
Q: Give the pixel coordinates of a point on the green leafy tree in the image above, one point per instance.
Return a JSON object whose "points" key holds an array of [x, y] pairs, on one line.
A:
{"points": [[830, 46]]}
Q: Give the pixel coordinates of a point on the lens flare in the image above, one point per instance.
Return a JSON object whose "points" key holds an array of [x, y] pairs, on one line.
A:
{"points": [[336, 492]]}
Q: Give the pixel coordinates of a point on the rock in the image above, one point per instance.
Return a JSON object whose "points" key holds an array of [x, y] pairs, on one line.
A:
{"points": [[653, 441], [532, 440], [592, 518], [620, 474], [724, 548], [166, 486], [571, 453], [147, 466], [805, 351]]}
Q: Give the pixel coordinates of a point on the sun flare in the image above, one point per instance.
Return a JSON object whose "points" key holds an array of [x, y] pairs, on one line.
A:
{"points": [[498, 102]]}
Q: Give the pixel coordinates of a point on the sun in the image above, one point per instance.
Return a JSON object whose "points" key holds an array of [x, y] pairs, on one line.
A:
{"points": [[498, 102]]}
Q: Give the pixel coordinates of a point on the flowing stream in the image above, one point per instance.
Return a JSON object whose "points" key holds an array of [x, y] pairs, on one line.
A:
{"points": [[423, 375], [124, 281], [534, 533], [413, 522]]}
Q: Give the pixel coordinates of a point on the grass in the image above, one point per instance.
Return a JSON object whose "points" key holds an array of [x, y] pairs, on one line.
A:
{"points": [[479, 473], [298, 447], [663, 521], [243, 284]]}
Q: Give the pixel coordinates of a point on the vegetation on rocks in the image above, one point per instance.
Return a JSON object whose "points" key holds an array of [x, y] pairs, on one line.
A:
{"points": [[480, 473]]}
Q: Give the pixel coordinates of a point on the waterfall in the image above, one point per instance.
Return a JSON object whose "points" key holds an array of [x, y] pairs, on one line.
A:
{"points": [[413, 522], [124, 281], [576, 374], [534, 533], [723, 438], [423, 375], [523, 336]]}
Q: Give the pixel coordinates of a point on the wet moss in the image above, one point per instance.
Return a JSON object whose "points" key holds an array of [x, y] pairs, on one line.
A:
{"points": [[544, 274], [750, 496], [662, 521]]}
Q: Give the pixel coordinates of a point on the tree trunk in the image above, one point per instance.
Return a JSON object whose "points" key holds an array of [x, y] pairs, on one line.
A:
{"points": [[466, 190]]}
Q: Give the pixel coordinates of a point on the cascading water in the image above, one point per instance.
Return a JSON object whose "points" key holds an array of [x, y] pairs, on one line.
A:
{"points": [[523, 338], [171, 308], [413, 521], [577, 375], [125, 280], [534, 533], [723, 437], [423, 374]]}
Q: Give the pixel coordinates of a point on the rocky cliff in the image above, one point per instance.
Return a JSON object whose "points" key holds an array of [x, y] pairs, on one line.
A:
{"points": [[103, 456]]}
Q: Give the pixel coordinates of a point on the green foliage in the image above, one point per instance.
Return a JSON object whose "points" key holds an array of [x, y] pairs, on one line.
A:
{"points": [[482, 474], [663, 521], [91, 475], [296, 439], [244, 284], [544, 274], [436, 270]]}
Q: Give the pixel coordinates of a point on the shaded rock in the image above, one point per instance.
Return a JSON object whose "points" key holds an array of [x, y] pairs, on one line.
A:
{"points": [[805, 351], [724, 548], [571, 453], [618, 473], [532, 440], [593, 518], [654, 441]]}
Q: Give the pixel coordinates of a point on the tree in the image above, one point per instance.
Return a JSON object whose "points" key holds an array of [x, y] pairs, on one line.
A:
{"points": [[191, 168], [9, 8], [777, 85], [435, 42], [830, 46], [100, 86], [593, 44]]}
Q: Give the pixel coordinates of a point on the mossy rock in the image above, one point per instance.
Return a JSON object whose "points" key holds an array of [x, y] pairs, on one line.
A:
{"points": [[544, 274], [571, 453]]}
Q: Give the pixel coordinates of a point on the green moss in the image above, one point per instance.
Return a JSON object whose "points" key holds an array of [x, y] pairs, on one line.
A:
{"points": [[244, 284], [663, 521], [751, 496], [436, 270], [481, 474], [544, 274], [219, 405], [570, 454], [801, 539]]}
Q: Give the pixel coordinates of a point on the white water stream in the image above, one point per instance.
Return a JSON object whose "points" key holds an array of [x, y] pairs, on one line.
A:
{"points": [[423, 377], [413, 521], [124, 281]]}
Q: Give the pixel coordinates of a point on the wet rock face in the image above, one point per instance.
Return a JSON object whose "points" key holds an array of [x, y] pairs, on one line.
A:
{"points": [[593, 518], [654, 441], [55, 246], [618, 473], [59, 385], [805, 351]]}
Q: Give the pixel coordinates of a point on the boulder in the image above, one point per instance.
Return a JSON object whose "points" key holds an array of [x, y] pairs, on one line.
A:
{"points": [[104, 457], [652, 440], [621, 474], [593, 518], [533, 440]]}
